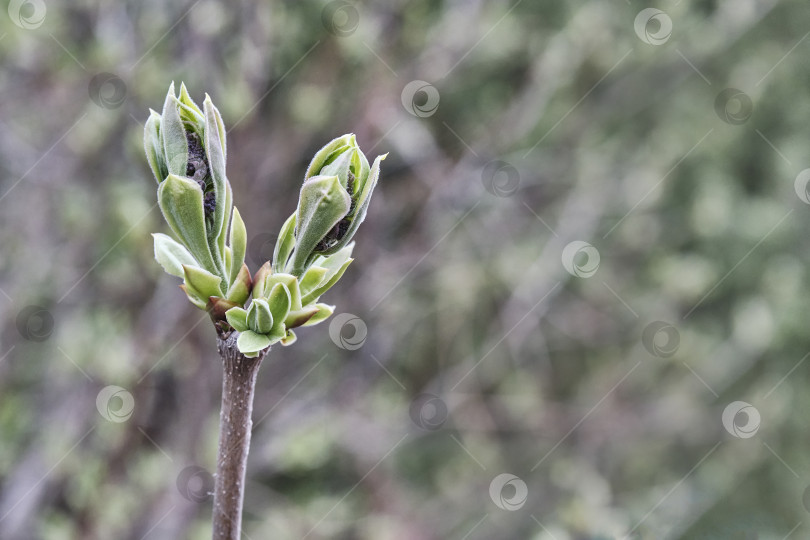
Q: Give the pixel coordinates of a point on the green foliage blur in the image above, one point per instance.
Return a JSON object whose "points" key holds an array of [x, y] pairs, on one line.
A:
{"points": [[473, 343]]}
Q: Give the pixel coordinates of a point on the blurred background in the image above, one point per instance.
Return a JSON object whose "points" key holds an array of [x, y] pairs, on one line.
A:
{"points": [[576, 310]]}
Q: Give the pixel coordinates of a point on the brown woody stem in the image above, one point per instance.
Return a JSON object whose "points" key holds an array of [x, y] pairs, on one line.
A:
{"points": [[235, 423]]}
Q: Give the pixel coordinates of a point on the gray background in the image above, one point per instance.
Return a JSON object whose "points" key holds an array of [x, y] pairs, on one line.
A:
{"points": [[588, 243]]}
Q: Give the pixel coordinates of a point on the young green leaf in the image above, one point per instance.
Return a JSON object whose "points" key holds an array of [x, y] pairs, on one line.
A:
{"points": [[339, 167], [322, 203], [300, 317], [312, 278], [289, 338], [249, 342], [259, 316], [284, 244], [201, 282], [181, 201], [194, 297], [240, 288], [290, 281], [324, 312], [214, 149], [153, 146], [171, 255], [328, 152], [259, 279], [279, 301], [334, 262], [188, 103], [238, 242], [217, 307], [313, 295], [173, 135], [237, 318], [362, 200]]}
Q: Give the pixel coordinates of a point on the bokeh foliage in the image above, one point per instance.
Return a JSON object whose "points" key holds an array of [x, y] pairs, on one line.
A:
{"points": [[616, 142]]}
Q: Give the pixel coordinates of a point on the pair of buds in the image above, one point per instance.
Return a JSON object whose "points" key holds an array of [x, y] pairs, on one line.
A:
{"points": [[186, 150]]}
